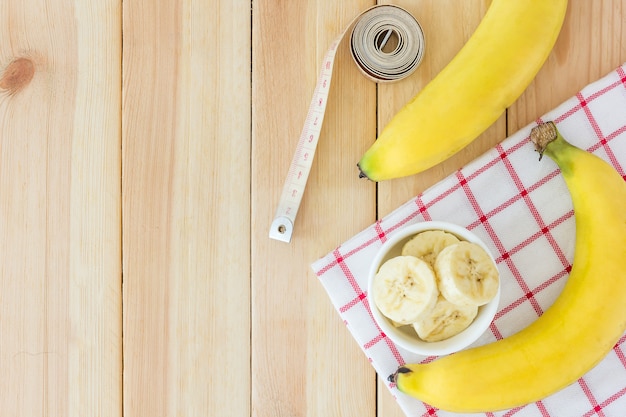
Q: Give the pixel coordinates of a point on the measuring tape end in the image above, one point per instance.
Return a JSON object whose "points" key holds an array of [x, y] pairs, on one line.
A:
{"points": [[281, 229]]}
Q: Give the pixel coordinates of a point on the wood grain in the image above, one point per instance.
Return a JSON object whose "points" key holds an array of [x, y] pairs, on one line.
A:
{"points": [[143, 149], [303, 360], [60, 266], [186, 202]]}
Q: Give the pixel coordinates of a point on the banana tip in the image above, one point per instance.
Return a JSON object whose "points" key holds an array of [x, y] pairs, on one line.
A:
{"points": [[361, 173], [393, 378]]}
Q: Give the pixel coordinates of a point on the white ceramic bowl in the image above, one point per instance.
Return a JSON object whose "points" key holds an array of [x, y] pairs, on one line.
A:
{"points": [[405, 336]]}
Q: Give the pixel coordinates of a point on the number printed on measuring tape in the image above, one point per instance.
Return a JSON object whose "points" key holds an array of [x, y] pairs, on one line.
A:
{"points": [[369, 33]]}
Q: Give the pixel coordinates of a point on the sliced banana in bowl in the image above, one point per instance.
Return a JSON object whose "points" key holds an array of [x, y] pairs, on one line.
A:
{"points": [[448, 317], [445, 320], [428, 244], [467, 275], [405, 289]]}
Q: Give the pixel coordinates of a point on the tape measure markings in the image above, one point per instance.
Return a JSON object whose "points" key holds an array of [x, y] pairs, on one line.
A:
{"points": [[371, 61]]}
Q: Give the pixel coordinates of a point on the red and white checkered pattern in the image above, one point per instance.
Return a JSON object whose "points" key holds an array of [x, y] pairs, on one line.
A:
{"points": [[522, 209]]}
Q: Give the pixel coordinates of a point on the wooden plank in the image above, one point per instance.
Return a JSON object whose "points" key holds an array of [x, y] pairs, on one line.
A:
{"points": [[304, 361], [447, 24], [186, 208], [590, 45], [60, 266]]}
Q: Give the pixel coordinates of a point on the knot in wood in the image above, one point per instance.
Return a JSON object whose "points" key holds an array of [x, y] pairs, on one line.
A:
{"points": [[17, 75]]}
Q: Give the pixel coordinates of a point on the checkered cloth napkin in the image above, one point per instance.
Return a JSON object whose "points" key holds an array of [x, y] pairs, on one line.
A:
{"points": [[521, 208]]}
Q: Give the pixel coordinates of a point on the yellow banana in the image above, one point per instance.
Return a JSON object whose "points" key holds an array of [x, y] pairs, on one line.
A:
{"points": [[573, 334], [489, 73]]}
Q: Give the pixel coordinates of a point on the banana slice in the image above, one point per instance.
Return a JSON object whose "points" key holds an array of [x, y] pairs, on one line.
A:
{"points": [[396, 324], [467, 275], [427, 245], [404, 289], [445, 320]]}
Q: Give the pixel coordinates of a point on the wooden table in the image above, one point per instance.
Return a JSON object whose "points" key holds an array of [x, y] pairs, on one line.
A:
{"points": [[143, 148]]}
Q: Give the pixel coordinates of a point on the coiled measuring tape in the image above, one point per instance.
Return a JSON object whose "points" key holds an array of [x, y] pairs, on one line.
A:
{"points": [[370, 31]]}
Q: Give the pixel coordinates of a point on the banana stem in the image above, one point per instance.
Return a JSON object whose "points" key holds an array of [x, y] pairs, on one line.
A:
{"points": [[541, 135]]}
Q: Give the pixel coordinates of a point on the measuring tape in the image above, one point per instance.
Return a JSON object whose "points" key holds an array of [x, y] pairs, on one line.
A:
{"points": [[371, 32]]}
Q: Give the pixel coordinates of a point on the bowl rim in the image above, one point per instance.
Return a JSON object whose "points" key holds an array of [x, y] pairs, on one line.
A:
{"points": [[481, 323]]}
